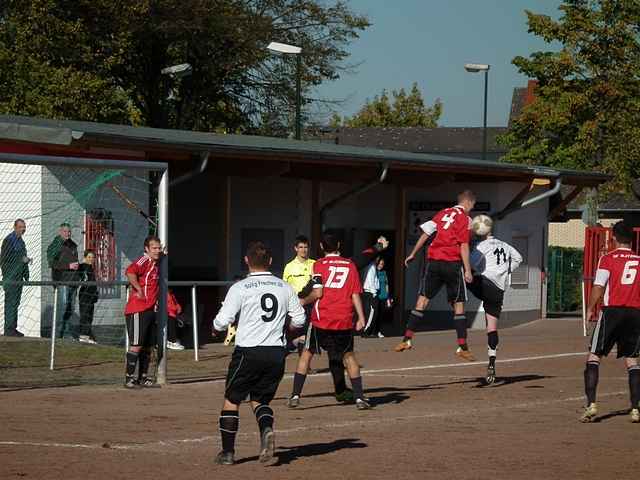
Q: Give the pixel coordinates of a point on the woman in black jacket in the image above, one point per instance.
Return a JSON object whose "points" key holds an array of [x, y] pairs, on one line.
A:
{"points": [[87, 297]]}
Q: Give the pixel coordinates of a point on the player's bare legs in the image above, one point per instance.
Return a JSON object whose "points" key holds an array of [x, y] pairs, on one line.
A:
{"points": [[492, 347], [415, 317], [353, 369]]}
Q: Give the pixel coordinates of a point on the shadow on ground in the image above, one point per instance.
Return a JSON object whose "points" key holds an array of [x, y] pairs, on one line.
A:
{"points": [[286, 455]]}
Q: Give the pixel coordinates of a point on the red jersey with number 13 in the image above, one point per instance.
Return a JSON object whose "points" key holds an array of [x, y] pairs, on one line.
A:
{"points": [[452, 227], [340, 280], [618, 272]]}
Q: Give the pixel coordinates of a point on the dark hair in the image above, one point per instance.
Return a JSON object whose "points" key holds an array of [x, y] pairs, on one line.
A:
{"points": [[18, 220], [622, 232], [151, 238], [466, 195], [301, 239], [65, 225], [258, 255], [88, 251], [330, 242]]}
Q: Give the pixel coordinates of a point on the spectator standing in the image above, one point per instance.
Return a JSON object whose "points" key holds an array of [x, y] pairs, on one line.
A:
{"points": [[384, 297], [15, 268], [87, 297], [370, 304], [62, 256]]}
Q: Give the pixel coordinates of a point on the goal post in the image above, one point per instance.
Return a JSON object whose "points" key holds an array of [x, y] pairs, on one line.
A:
{"points": [[109, 207]]}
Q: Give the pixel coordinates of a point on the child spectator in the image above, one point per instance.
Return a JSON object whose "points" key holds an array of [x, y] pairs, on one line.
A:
{"points": [[87, 297], [173, 310]]}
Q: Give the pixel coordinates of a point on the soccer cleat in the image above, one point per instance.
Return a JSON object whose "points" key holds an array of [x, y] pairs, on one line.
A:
{"points": [[175, 345], [403, 345], [465, 355], [87, 339], [380, 335], [224, 458], [146, 382], [589, 413], [345, 397], [131, 382], [268, 447], [491, 375], [363, 404], [293, 401], [635, 415]]}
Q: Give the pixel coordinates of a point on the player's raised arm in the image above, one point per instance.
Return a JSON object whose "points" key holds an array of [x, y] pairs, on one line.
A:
{"points": [[230, 308], [315, 290], [416, 248], [464, 254]]}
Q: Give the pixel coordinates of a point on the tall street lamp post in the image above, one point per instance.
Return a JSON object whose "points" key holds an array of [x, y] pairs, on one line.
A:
{"points": [[293, 50], [475, 68]]}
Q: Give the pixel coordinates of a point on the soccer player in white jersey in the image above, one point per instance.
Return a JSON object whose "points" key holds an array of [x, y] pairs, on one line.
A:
{"points": [[258, 361], [617, 285], [491, 261]]}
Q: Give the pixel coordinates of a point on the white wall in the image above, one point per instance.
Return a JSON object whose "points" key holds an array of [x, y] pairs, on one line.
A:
{"points": [[20, 193]]}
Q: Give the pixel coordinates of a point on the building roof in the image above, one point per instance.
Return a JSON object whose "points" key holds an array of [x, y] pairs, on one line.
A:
{"points": [[239, 147]]}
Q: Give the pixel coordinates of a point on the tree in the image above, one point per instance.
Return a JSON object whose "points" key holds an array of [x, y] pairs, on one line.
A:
{"points": [[405, 111], [586, 112], [102, 60]]}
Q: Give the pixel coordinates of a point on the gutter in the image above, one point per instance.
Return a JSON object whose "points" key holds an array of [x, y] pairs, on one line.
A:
{"points": [[204, 161]]}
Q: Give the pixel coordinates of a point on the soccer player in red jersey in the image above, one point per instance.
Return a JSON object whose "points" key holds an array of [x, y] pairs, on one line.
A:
{"points": [[448, 264], [336, 294], [618, 286], [140, 312]]}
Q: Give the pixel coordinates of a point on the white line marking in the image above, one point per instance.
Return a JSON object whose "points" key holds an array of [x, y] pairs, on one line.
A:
{"points": [[306, 428]]}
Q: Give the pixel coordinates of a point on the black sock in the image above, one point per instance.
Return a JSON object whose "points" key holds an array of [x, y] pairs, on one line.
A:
{"points": [[634, 385], [337, 372], [132, 361], [264, 417], [460, 322], [143, 358], [229, 422], [356, 384], [415, 319], [591, 372], [298, 383], [492, 343]]}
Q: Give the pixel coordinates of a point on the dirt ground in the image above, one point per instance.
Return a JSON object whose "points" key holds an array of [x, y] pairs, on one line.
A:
{"points": [[432, 419]]}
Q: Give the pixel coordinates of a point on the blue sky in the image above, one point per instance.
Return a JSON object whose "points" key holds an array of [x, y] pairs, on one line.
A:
{"points": [[429, 41]]}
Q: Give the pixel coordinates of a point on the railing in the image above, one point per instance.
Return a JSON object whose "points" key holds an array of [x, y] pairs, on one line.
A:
{"points": [[179, 283]]}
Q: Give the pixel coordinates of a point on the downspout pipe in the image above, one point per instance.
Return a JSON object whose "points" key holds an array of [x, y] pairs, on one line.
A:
{"points": [[352, 193], [557, 184], [204, 161]]}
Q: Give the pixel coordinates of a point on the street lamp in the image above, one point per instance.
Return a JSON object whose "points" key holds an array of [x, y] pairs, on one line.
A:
{"points": [[475, 68], [297, 51]]}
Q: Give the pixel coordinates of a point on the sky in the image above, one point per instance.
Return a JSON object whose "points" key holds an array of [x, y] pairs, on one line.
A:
{"points": [[428, 42]]}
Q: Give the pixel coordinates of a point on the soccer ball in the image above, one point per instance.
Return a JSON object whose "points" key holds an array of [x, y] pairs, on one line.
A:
{"points": [[481, 225]]}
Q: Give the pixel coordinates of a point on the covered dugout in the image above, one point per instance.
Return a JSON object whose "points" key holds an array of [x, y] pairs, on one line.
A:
{"points": [[227, 190]]}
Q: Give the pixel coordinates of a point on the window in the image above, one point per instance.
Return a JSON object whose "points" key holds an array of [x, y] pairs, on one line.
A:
{"points": [[99, 236], [520, 276]]}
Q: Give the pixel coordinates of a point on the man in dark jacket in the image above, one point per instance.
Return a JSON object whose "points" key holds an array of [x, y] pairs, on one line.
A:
{"points": [[15, 268], [62, 255]]}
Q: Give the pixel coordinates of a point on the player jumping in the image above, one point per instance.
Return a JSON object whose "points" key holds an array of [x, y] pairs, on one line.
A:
{"points": [[448, 264], [258, 361], [491, 260], [618, 285], [336, 294]]}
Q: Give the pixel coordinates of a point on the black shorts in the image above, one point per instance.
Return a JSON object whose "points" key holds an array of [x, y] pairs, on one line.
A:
{"points": [[335, 342], [439, 273], [255, 372], [142, 328], [618, 326], [487, 291]]}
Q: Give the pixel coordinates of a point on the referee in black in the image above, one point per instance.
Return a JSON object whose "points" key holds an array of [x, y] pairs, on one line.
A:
{"points": [[258, 361]]}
